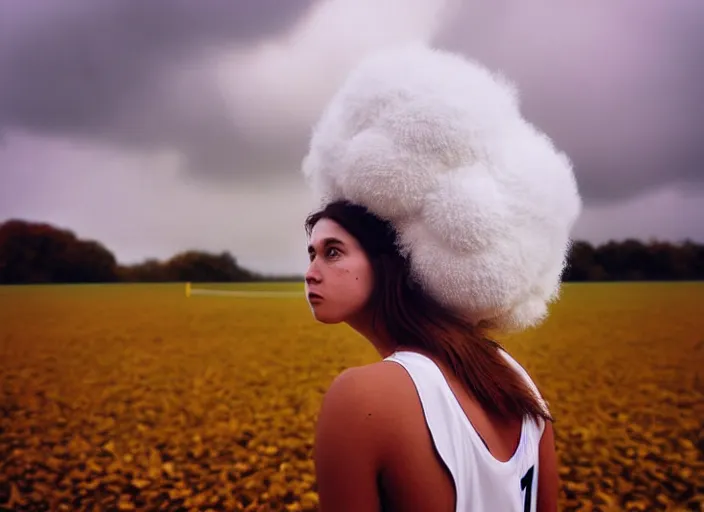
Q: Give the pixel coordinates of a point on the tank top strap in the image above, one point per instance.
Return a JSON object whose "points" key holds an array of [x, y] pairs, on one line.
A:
{"points": [[443, 414], [540, 426]]}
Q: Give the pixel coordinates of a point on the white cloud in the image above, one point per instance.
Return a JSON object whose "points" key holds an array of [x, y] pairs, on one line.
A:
{"points": [[280, 86]]}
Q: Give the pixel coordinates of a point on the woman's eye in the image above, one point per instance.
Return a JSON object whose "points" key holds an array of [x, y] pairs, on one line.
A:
{"points": [[332, 253]]}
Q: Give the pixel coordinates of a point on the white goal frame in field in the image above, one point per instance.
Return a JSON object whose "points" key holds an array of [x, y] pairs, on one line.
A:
{"points": [[243, 294]]}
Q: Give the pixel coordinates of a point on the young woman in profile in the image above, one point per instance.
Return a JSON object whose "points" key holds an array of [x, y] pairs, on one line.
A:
{"points": [[444, 216]]}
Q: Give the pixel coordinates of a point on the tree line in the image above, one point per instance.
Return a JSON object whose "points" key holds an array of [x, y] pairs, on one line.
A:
{"points": [[33, 253]]}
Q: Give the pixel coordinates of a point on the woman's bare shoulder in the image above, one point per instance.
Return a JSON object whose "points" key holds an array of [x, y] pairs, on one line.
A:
{"points": [[353, 429], [362, 406], [376, 384], [371, 397]]}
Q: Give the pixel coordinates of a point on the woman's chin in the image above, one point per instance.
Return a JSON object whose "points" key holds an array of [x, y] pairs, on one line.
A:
{"points": [[325, 317], [327, 320]]}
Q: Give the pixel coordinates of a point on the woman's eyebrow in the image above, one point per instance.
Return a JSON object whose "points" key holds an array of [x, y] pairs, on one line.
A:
{"points": [[331, 241], [326, 242]]}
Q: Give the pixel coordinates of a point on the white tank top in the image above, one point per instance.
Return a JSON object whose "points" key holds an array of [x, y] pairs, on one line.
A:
{"points": [[482, 482]]}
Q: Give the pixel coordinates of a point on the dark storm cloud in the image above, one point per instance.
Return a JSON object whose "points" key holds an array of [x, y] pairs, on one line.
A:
{"points": [[617, 85], [99, 69]]}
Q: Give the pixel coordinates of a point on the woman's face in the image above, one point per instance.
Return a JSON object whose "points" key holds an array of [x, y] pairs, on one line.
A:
{"points": [[339, 280]]}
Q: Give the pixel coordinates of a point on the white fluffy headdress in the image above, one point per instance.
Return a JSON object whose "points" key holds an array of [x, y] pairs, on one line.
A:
{"points": [[482, 202]]}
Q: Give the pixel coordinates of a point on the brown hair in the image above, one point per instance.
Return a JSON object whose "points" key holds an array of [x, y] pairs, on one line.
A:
{"points": [[409, 314]]}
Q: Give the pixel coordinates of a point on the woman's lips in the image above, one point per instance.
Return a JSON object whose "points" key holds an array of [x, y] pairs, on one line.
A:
{"points": [[314, 297]]}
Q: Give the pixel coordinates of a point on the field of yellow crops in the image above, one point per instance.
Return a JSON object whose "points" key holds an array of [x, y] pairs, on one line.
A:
{"points": [[137, 398]]}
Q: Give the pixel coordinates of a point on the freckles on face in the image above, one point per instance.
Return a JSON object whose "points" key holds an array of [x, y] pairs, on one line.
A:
{"points": [[352, 266]]}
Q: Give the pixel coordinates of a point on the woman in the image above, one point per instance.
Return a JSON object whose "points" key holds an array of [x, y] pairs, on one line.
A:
{"points": [[444, 216]]}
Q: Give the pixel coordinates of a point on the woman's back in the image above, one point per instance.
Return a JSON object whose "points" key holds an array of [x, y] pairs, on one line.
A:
{"points": [[392, 436], [449, 454]]}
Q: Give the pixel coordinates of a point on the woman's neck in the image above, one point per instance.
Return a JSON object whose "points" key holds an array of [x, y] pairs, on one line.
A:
{"points": [[376, 335]]}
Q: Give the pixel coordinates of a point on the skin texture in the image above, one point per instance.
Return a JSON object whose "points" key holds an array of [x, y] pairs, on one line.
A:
{"points": [[362, 439]]}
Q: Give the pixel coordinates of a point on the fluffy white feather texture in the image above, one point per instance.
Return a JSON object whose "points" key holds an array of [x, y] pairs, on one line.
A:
{"points": [[482, 201]]}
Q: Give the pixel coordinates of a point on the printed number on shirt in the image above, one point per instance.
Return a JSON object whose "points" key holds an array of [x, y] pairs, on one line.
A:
{"points": [[527, 486]]}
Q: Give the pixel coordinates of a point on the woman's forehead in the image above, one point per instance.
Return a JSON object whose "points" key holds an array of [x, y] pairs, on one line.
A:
{"points": [[326, 229]]}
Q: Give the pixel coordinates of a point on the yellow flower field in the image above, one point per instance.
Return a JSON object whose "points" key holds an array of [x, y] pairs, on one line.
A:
{"points": [[134, 397]]}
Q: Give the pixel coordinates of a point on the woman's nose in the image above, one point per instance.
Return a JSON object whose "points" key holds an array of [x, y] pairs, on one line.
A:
{"points": [[312, 274]]}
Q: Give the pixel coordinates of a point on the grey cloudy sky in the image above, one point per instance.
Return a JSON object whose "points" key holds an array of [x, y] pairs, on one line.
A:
{"points": [[160, 126]]}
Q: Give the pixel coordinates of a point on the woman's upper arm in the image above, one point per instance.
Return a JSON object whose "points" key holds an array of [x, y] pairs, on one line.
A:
{"points": [[548, 478], [346, 445]]}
